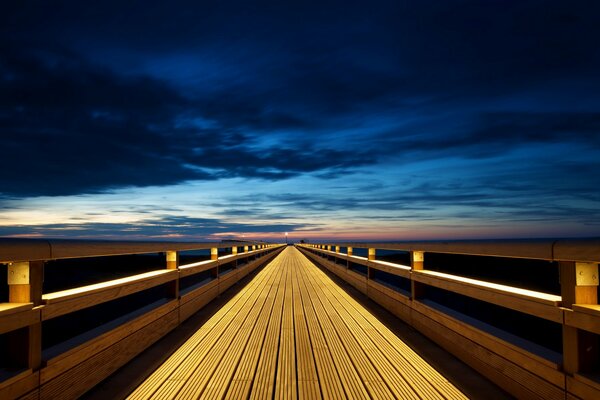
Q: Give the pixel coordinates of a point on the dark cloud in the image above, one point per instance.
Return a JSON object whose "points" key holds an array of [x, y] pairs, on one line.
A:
{"points": [[163, 228], [67, 127], [112, 95], [495, 134]]}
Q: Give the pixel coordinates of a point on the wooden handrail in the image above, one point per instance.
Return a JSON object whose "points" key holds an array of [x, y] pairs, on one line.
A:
{"points": [[542, 249], [14, 250]]}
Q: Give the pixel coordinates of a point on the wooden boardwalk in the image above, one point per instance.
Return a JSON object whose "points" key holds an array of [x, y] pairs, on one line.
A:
{"points": [[293, 333]]}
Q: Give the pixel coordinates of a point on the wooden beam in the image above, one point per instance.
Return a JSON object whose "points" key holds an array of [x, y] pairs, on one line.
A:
{"points": [[417, 289], [173, 263], [372, 253], [25, 280], [579, 285]]}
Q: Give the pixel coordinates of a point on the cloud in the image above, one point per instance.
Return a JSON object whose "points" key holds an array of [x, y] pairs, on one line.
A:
{"points": [[163, 228], [68, 127]]}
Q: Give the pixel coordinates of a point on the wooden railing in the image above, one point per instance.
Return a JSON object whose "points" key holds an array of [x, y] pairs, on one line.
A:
{"points": [[476, 318], [71, 367]]}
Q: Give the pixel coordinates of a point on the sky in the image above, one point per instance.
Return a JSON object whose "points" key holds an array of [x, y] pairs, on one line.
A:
{"points": [[353, 120]]}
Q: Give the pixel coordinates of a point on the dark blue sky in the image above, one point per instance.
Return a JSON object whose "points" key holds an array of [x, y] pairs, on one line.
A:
{"points": [[378, 119]]}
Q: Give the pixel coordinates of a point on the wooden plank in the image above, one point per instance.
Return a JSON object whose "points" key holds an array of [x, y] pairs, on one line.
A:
{"points": [[242, 380], [363, 358], [264, 377], [286, 380], [349, 376], [539, 304], [586, 250], [460, 346], [401, 355], [399, 309], [21, 319], [582, 320], [63, 362], [396, 373], [388, 291], [591, 309], [390, 268], [168, 379], [357, 280], [19, 385], [476, 362], [68, 301], [76, 381], [203, 337], [33, 395], [12, 308], [328, 375], [89, 248], [228, 280], [195, 268], [583, 387], [192, 294], [539, 249], [308, 379], [226, 367], [543, 367], [196, 303], [429, 380]]}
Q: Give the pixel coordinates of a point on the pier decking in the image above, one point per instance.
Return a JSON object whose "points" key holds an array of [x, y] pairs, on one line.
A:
{"points": [[293, 333]]}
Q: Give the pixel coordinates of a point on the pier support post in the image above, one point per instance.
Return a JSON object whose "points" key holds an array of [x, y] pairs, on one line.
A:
{"points": [[349, 252], [173, 263], [579, 285], [25, 281], [417, 259], [372, 253]]}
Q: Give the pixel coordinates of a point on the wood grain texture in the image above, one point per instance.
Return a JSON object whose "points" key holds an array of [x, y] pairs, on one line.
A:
{"points": [[19, 385], [79, 354], [292, 333], [539, 304], [68, 301], [78, 380], [19, 319]]}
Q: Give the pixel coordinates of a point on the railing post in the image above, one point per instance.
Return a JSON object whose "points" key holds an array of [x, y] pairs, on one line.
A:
{"points": [[578, 285], [337, 249], [372, 253], [173, 263], [245, 249], [349, 252], [234, 251], [25, 280], [417, 259], [214, 253]]}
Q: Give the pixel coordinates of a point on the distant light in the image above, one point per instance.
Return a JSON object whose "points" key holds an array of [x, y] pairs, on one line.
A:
{"points": [[286, 234]]}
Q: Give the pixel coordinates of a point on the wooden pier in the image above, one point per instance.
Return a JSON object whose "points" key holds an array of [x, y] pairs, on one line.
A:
{"points": [[293, 333]]}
